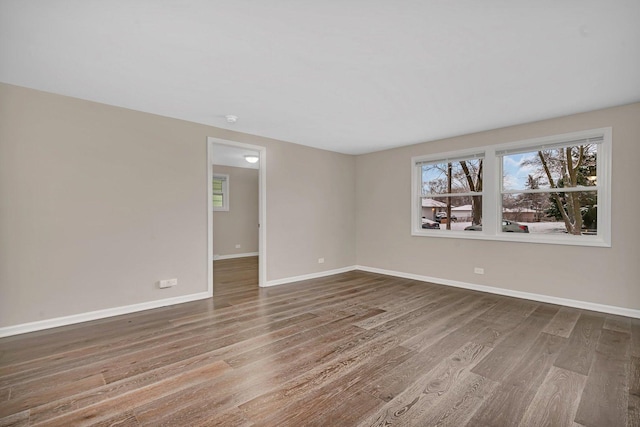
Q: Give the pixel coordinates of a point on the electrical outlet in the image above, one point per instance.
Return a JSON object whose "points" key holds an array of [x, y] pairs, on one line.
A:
{"points": [[320, 260], [478, 270], [238, 246], [167, 283]]}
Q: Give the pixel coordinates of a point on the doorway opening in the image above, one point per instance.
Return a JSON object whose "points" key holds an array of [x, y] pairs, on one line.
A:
{"points": [[236, 195]]}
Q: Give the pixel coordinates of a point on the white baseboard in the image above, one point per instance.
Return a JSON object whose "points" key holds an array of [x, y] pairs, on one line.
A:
{"points": [[99, 314], [216, 257], [116, 311], [309, 276], [610, 309]]}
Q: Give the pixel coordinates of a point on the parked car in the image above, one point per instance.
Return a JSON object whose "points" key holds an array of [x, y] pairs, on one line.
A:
{"points": [[427, 223], [443, 215], [507, 227]]}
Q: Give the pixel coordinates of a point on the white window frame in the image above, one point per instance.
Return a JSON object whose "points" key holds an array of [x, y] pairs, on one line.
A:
{"points": [[225, 192], [443, 159], [492, 192]]}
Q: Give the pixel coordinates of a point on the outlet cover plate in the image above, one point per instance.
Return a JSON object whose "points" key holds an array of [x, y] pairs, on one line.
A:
{"points": [[167, 283]]}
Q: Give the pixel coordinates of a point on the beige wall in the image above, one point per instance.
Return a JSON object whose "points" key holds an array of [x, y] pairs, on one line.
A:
{"points": [[311, 210], [238, 225], [97, 203], [608, 276]]}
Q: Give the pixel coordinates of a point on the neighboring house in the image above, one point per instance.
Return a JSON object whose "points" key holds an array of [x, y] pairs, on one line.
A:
{"points": [[463, 213], [521, 215], [431, 207]]}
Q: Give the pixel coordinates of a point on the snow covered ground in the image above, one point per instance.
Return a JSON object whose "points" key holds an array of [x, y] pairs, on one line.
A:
{"points": [[534, 227], [546, 227]]}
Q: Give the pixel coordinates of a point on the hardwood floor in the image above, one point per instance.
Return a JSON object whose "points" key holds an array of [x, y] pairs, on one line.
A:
{"points": [[355, 349]]}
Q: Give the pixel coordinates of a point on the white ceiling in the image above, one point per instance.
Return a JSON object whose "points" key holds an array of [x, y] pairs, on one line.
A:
{"points": [[351, 76], [227, 155]]}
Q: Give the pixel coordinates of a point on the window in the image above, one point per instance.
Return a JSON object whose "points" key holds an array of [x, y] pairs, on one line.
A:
{"points": [[546, 190], [555, 188], [220, 194], [450, 192]]}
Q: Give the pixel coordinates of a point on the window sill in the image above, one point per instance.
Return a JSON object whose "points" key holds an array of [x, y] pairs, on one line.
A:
{"points": [[585, 240]]}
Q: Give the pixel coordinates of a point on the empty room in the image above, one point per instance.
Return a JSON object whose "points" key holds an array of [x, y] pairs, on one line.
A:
{"points": [[319, 213]]}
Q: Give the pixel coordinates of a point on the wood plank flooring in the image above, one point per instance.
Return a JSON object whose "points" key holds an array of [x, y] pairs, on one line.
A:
{"points": [[354, 349]]}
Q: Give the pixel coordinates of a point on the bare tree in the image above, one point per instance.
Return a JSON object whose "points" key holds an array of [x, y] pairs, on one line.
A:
{"points": [[562, 168], [449, 178], [476, 204]]}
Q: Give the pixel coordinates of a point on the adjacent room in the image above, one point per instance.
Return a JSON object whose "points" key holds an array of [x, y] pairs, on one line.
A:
{"points": [[319, 213]]}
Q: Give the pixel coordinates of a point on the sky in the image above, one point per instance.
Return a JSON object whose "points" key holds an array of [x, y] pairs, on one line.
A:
{"points": [[514, 172], [515, 175]]}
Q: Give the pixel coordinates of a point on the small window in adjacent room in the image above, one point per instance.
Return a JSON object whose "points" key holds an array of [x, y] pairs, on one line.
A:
{"points": [[220, 194]]}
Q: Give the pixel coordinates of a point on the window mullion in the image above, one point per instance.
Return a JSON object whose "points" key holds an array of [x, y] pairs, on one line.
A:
{"points": [[491, 186], [416, 191]]}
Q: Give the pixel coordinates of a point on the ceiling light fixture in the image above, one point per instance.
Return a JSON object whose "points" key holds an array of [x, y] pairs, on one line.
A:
{"points": [[231, 118], [251, 158]]}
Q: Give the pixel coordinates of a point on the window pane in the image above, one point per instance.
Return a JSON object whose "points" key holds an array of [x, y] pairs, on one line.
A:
{"points": [[464, 211], [462, 176], [552, 213], [217, 186], [550, 168], [218, 201]]}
